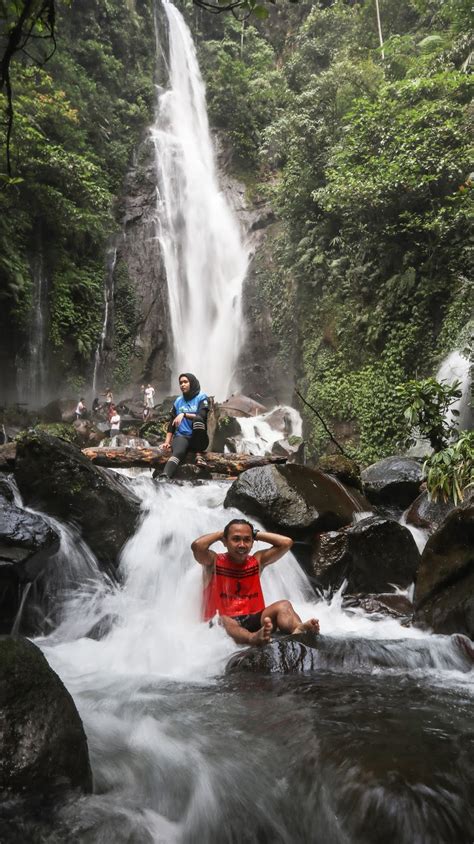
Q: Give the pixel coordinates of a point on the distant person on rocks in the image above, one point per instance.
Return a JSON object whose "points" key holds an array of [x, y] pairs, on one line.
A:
{"points": [[114, 422], [231, 584], [149, 396], [109, 398], [146, 414], [187, 425], [96, 405], [80, 409]]}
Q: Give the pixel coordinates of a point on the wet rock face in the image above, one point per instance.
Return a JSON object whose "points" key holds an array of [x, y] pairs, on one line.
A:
{"points": [[425, 513], [308, 652], [371, 555], [140, 253], [342, 468], [394, 480], [444, 596], [44, 747], [55, 477], [294, 499], [26, 545]]}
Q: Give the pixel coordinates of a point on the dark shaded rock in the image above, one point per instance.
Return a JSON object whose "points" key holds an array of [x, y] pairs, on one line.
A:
{"points": [[55, 477], [294, 453], [102, 627], [428, 514], [444, 595], [27, 543], [342, 468], [308, 652], [44, 747], [394, 480], [294, 499], [280, 420], [5, 488], [59, 410], [23, 537], [391, 604], [223, 429], [238, 405], [371, 555], [7, 457]]}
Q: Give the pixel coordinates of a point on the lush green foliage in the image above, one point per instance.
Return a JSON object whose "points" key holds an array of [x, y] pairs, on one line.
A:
{"points": [[367, 164], [77, 120], [450, 473], [428, 402]]}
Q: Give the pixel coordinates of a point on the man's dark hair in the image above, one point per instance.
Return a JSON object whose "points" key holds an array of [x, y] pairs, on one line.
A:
{"points": [[237, 522]]}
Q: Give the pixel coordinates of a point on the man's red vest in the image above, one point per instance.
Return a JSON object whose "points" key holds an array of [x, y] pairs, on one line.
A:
{"points": [[233, 589]]}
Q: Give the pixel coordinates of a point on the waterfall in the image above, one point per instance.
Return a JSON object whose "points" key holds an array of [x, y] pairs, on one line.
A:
{"points": [[204, 259], [32, 375], [111, 260], [456, 367]]}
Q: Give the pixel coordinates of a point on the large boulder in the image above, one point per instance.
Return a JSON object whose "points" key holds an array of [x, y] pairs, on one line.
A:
{"points": [[55, 477], [292, 449], [27, 543], [294, 499], [238, 405], [44, 747], [444, 595], [371, 556], [342, 468], [309, 652], [427, 514], [394, 480], [7, 457], [59, 410]]}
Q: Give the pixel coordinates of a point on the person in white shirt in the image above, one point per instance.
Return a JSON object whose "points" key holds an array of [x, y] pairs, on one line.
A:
{"points": [[115, 423], [149, 396], [80, 409]]}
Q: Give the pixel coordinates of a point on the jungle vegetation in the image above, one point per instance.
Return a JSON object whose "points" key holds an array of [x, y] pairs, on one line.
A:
{"points": [[362, 150]]}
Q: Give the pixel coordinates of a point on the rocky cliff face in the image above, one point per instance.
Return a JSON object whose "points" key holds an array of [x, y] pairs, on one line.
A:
{"points": [[140, 252], [260, 370]]}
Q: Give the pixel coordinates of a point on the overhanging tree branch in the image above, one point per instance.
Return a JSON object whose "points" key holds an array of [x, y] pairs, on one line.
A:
{"points": [[322, 423]]}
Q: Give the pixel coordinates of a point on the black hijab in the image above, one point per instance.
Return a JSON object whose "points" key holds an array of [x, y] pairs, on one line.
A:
{"points": [[194, 385]]}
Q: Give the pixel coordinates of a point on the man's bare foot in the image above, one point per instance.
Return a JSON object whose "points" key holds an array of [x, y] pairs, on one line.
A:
{"points": [[311, 626], [262, 636]]}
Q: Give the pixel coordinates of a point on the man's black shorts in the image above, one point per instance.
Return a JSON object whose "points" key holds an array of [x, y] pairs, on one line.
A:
{"points": [[252, 622]]}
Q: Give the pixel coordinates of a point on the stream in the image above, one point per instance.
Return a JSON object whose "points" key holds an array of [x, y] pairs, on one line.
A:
{"points": [[375, 745]]}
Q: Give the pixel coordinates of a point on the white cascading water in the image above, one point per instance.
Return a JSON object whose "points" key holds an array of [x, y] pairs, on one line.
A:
{"points": [[457, 367], [258, 435], [111, 259], [170, 752], [203, 255], [32, 380]]}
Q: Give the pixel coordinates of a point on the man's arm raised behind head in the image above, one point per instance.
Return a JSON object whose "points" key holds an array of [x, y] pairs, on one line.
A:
{"points": [[280, 545], [201, 547]]}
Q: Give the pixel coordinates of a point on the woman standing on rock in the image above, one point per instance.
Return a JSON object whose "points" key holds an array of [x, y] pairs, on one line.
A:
{"points": [[187, 425]]}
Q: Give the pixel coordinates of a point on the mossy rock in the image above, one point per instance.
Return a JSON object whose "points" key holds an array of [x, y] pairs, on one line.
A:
{"points": [[44, 746], [342, 468]]}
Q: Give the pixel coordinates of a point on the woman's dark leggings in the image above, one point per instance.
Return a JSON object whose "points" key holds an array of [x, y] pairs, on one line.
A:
{"points": [[180, 447]]}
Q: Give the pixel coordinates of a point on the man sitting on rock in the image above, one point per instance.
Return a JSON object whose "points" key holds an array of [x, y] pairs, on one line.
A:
{"points": [[232, 584]]}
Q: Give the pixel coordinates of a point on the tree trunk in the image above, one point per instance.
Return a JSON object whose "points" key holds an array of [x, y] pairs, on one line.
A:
{"points": [[217, 463]]}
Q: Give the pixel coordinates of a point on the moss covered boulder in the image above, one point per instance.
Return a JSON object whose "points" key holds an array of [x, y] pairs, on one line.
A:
{"points": [[294, 499], [444, 595], [54, 476], [44, 747]]}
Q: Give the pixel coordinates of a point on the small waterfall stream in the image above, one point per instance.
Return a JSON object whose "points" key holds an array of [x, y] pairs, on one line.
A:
{"points": [[111, 258], [181, 753], [204, 259], [32, 374]]}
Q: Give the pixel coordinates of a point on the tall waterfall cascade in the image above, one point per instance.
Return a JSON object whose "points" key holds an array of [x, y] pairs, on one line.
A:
{"points": [[204, 258]]}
